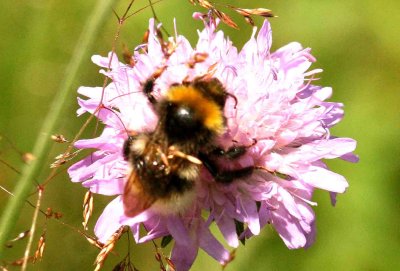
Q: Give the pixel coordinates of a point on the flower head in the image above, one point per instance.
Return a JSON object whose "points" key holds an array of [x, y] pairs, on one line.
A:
{"points": [[279, 114]]}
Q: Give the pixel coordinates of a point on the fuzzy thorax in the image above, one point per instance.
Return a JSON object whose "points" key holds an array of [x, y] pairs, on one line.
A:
{"points": [[207, 110]]}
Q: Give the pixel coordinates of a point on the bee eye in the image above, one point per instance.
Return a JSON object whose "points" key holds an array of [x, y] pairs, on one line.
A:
{"points": [[184, 116], [181, 120]]}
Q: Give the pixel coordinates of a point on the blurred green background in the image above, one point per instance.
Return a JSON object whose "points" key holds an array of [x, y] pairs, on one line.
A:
{"points": [[357, 43]]}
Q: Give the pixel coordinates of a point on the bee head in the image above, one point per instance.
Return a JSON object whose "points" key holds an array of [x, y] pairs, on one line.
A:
{"points": [[188, 113]]}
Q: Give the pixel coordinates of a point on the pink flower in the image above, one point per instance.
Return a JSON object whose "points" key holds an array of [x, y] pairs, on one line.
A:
{"points": [[278, 108]]}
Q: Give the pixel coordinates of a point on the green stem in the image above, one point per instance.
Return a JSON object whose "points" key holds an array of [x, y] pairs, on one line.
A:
{"points": [[10, 215]]}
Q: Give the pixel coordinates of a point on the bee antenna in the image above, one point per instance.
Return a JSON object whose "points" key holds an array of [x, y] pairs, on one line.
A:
{"points": [[233, 97], [118, 117], [122, 95]]}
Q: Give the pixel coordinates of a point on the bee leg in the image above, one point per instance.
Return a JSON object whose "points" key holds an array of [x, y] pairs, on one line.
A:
{"points": [[148, 88], [233, 152], [127, 146], [224, 176]]}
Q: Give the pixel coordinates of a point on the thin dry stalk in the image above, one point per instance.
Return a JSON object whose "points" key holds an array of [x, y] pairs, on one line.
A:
{"points": [[87, 208], [108, 247], [20, 236], [245, 12], [170, 264], [59, 138], [94, 242], [63, 158], [33, 228], [40, 248]]}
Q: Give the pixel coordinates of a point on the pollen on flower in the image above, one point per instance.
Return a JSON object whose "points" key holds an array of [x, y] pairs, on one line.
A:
{"points": [[276, 106]]}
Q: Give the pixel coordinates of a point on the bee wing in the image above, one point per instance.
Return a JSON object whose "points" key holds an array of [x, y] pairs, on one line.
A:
{"points": [[135, 199]]}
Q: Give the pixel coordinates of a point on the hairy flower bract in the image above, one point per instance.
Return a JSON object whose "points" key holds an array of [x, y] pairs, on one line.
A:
{"points": [[279, 108]]}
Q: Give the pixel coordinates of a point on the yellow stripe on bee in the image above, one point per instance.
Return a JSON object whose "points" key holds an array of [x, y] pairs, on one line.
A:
{"points": [[209, 111]]}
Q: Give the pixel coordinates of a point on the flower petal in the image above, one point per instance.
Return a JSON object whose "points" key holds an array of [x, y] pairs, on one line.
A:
{"points": [[325, 179], [108, 222], [211, 245], [183, 256]]}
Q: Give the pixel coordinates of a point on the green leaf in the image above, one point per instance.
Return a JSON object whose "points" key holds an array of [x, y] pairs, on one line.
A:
{"points": [[166, 240]]}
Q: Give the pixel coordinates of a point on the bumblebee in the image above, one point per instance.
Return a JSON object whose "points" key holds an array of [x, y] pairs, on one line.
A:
{"points": [[166, 162]]}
